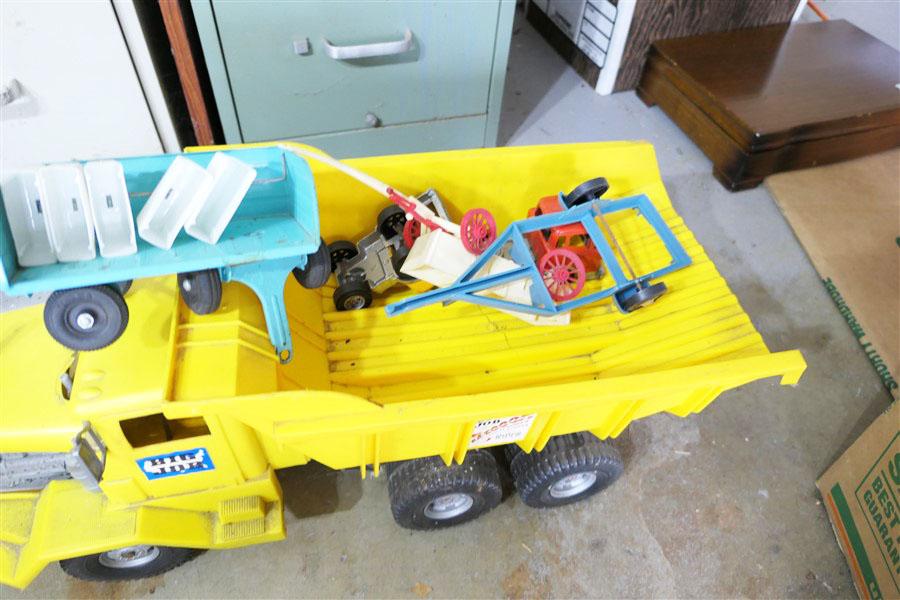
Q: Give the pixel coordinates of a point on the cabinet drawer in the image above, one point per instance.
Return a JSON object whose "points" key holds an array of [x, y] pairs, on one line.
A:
{"points": [[279, 93]]}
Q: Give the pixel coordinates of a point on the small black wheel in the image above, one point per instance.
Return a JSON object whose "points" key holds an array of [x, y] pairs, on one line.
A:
{"points": [[427, 494], [391, 221], [352, 295], [123, 286], [642, 297], [586, 192], [397, 260], [201, 290], [132, 562], [569, 468], [87, 318], [317, 269], [340, 251]]}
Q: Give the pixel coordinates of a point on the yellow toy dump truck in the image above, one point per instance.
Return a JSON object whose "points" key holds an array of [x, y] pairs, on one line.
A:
{"points": [[127, 461]]}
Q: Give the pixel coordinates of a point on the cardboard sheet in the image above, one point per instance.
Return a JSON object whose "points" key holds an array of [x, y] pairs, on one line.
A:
{"points": [[847, 216]]}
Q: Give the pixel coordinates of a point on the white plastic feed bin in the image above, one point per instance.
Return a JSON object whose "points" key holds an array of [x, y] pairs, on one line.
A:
{"points": [[110, 208], [231, 180], [64, 200], [26, 221], [179, 194]]}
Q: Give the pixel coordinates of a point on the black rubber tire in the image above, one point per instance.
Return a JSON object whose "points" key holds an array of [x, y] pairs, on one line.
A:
{"points": [[586, 192], [535, 473], [103, 303], [353, 295], [90, 568], [201, 290], [397, 260], [317, 269], [414, 484], [643, 297], [391, 220], [340, 251], [123, 286]]}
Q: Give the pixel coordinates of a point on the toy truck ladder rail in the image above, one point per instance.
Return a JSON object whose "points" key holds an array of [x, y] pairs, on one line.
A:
{"points": [[512, 242]]}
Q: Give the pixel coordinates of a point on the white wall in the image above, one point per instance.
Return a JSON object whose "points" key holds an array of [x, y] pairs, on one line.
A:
{"points": [[880, 18], [83, 100]]}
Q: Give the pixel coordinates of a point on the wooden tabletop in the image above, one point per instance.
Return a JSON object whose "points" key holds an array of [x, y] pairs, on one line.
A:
{"points": [[774, 85]]}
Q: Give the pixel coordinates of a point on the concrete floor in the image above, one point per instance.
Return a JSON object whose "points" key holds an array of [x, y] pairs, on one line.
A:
{"points": [[722, 504]]}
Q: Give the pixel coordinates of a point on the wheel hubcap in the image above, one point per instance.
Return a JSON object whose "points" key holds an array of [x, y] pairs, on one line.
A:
{"points": [[448, 506], [572, 485], [129, 557], [354, 302], [85, 320]]}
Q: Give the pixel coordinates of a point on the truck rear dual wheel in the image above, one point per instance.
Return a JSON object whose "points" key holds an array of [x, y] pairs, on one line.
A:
{"points": [[427, 494], [132, 562], [570, 468]]}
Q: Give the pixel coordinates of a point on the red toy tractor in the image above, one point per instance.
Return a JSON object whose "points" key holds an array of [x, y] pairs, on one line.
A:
{"points": [[570, 237]]}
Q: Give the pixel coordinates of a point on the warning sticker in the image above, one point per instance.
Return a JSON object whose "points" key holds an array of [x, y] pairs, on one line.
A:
{"points": [[503, 430]]}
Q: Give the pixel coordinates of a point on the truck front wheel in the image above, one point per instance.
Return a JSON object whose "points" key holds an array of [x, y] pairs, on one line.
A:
{"points": [[569, 468], [427, 494], [131, 562]]}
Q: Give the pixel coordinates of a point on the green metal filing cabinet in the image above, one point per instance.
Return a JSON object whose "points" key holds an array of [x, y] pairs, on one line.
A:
{"points": [[358, 78]]}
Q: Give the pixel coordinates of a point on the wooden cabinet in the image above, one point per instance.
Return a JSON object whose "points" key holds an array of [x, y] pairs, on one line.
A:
{"points": [[358, 78], [777, 98]]}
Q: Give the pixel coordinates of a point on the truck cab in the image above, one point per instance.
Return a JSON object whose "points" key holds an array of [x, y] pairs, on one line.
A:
{"points": [[104, 465]]}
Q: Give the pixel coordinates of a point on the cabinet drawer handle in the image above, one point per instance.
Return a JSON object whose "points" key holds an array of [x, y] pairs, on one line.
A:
{"points": [[368, 50]]}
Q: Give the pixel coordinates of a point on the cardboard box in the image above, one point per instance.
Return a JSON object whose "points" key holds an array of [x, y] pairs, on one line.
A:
{"points": [[862, 495]]}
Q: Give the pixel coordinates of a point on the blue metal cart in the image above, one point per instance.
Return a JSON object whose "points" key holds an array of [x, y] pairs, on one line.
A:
{"points": [[628, 293], [275, 231]]}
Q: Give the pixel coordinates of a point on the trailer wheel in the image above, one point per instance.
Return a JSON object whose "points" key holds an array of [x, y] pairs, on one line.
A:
{"points": [[87, 318], [569, 468], [317, 269], [642, 297], [391, 221], [587, 191], [352, 295], [427, 494], [340, 251], [131, 562], [201, 290]]}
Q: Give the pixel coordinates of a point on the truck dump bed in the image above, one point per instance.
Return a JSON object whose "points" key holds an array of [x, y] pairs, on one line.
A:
{"points": [[419, 383]]}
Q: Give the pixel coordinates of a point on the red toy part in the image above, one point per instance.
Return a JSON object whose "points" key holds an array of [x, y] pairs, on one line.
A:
{"points": [[410, 209], [411, 231], [563, 274], [572, 237], [477, 230]]}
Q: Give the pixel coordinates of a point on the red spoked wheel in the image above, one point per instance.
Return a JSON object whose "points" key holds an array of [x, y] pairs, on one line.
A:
{"points": [[563, 274], [411, 232], [477, 230]]}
